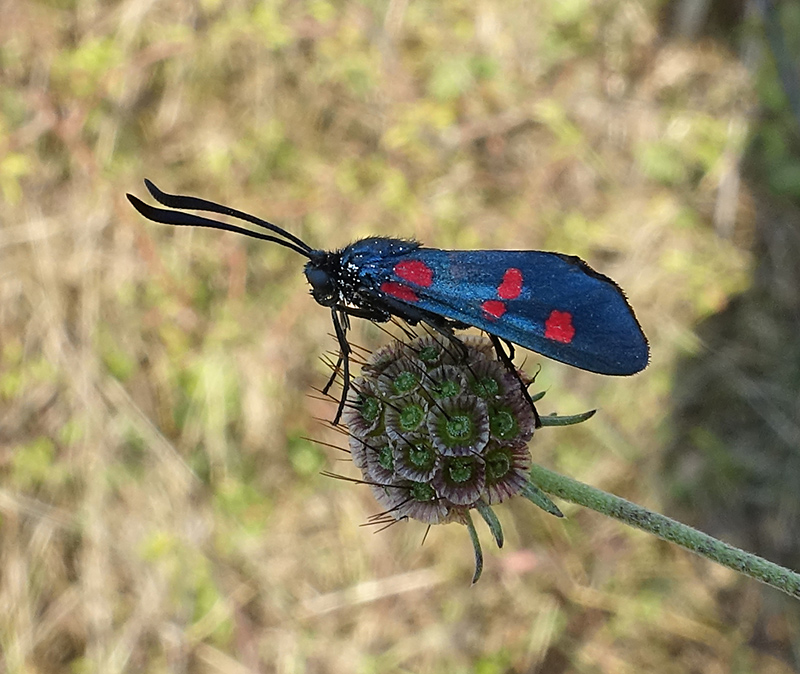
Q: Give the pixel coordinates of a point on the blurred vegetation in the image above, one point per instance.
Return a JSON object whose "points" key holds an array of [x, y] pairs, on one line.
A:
{"points": [[161, 507], [731, 462]]}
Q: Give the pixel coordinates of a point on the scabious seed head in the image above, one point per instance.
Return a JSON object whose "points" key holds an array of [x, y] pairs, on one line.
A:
{"points": [[437, 429], [422, 503], [384, 357], [479, 344], [406, 416], [364, 415], [459, 425], [511, 420], [400, 378], [460, 479], [446, 381], [415, 458], [491, 380], [507, 468], [379, 461], [429, 350]]}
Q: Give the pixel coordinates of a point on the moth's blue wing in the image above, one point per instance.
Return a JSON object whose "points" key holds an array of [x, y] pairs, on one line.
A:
{"points": [[553, 304]]}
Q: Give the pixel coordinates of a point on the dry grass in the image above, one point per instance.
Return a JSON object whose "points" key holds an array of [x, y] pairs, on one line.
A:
{"points": [[160, 509]]}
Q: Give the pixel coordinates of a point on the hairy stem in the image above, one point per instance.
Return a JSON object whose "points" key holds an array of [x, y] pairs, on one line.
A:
{"points": [[667, 529]]}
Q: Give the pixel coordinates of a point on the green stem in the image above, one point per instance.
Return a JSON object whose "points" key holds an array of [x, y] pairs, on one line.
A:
{"points": [[667, 529]]}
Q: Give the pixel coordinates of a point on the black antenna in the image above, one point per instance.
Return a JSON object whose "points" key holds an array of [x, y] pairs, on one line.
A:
{"points": [[178, 218]]}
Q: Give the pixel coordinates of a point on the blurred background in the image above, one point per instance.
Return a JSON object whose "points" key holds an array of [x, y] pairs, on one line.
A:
{"points": [[161, 504]]}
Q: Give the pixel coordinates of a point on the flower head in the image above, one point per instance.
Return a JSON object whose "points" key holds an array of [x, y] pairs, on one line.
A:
{"points": [[427, 413], [439, 428]]}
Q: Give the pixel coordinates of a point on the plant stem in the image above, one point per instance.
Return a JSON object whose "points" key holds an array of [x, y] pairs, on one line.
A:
{"points": [[667, 529]]}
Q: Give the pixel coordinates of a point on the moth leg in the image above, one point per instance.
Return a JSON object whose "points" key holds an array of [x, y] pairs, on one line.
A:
{"points": [[509, 363], [340, 325], [459, 345], [414, 316], [345, 325], [335, 372], [340, 314], [446, 328], [510, 346], [374, 315]]}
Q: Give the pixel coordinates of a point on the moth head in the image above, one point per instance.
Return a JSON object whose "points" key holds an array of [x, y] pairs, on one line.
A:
{"points": [[323, 283]]}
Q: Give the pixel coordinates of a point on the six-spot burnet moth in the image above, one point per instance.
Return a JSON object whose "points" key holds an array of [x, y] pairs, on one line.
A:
{"points": [[553, 304]]}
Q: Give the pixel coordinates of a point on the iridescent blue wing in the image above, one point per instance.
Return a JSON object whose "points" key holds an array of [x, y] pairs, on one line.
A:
{"points": [[553, 304]]}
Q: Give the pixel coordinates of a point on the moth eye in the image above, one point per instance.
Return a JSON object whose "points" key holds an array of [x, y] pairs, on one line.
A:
{"points": [[318, 278], [322, 286]]}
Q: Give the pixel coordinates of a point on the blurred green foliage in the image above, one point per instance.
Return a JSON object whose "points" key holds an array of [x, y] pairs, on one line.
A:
{"points": [[154, 383], [776, 141], [34, 465]]}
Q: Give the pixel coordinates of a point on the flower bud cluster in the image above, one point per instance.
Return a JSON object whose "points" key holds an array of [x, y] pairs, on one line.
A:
{"points": [[437, 430]]}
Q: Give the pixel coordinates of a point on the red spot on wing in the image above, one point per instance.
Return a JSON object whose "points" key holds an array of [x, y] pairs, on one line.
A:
{"points": [[399, 291], [494, 308], [511, 286], [558, 327], [414, 271]]}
